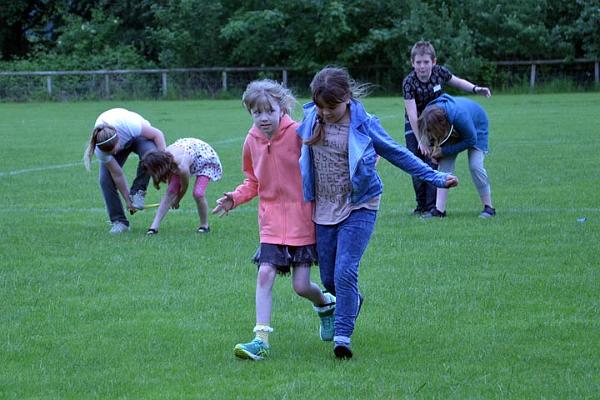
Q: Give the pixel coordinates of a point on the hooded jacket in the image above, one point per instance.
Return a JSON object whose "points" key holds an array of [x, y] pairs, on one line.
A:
{"points": [[470, 124], [366, 140], [272, 173]]}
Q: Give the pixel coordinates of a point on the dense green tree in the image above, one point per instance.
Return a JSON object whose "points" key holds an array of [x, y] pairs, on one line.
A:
{"points": [[186, 33], [588, 24], [305, 34], [25, 23]]}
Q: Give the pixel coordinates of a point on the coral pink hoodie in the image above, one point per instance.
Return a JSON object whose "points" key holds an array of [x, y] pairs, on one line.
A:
{"points": [[273, 173]]}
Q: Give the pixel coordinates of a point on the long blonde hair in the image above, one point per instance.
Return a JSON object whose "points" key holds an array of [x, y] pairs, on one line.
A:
{"points": [[433, 125], [104, 134], [333, 85], [260, 93]]}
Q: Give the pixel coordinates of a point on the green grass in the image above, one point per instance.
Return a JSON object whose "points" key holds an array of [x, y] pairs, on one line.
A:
{"points": [[456, 308]]}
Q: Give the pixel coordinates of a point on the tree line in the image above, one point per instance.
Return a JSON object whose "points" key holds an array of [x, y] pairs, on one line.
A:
{"points": [[300, 34]]}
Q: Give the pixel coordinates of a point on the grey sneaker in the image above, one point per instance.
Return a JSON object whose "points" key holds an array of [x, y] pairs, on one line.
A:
{"points": [[434, 213], [137, 199], [488, 212], [119, 227]]}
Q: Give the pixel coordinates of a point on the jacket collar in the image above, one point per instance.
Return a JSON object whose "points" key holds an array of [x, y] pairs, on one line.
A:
{"points": [[358, 114]]}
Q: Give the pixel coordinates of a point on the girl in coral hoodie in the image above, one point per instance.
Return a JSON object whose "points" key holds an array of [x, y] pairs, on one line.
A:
{"points": [[287, 233]]}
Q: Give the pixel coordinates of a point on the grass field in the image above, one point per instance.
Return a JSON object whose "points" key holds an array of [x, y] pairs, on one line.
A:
{"points": [[454, 309]]}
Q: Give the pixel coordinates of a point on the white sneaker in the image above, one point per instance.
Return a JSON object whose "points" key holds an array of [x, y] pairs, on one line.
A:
{"points": [[137, 199], [119, 227]]}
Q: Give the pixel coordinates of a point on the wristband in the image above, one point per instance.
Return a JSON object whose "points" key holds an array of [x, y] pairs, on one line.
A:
{"points": [[474, 89]]}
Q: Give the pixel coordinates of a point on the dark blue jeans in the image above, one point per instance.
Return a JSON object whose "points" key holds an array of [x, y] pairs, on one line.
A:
{"points": [[340, 249], [424, 192], [140, 146]]}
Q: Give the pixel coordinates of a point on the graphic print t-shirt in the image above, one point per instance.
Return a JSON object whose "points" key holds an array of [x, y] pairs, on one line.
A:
{"points": [[333, 186], [424, 92]]}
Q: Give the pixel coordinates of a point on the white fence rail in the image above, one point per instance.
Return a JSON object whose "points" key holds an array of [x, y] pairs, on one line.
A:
{"points": [[535, 63], [163, 73], [194, 82]]}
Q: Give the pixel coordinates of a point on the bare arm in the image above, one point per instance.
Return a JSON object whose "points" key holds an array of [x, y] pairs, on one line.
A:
{"points": [[411, 111], [184, 180], [116, 172], [163, 208], [469, 87], [156, 135]]}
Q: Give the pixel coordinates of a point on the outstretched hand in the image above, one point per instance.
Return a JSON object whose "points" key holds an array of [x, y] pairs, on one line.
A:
{"points": [[224, 205], [451, 181], [483, 91]]}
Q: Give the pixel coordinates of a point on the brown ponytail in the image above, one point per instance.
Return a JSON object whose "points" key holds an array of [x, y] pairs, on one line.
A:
{"points": [[160, 165]]}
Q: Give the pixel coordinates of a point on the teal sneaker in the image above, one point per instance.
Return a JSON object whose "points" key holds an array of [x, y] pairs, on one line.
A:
{"points": [[255, 350], [327, 317]]}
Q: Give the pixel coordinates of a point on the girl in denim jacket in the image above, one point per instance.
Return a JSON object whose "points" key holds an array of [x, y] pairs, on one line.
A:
{"points": [[341, 145]]}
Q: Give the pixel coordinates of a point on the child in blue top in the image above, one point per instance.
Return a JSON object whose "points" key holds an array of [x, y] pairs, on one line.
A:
{"points": [[450, 125], [423, 84], [337, 162]]}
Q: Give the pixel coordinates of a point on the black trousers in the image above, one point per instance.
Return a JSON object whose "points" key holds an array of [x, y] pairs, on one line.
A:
{"points": [[424, 192]]}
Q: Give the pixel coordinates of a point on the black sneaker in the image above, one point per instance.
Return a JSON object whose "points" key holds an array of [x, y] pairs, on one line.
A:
{"points": [[488, 212], [418, 211], [434, 213], [342, 351]]}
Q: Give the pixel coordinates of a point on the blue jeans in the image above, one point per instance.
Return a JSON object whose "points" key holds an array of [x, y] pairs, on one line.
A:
{"points": [[140, 146], [340, 249]]}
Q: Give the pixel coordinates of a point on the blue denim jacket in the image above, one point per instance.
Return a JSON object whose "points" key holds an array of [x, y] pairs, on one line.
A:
{"points": [[366, 140], [470, 122]]}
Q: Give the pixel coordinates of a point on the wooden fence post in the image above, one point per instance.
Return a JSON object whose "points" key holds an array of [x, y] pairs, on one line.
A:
{"points": [[106, 86], [164, 84]]}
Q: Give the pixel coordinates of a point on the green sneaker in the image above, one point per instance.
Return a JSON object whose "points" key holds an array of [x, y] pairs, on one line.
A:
{"points": [[255, 350], [327, 317]]}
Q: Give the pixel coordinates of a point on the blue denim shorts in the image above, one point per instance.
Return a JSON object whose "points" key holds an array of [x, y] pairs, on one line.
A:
{"points": [[283, 257]]}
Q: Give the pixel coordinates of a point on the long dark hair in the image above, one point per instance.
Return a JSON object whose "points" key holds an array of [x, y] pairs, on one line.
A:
{"points": [[331, 86], [160, 165], [433, 125]]}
